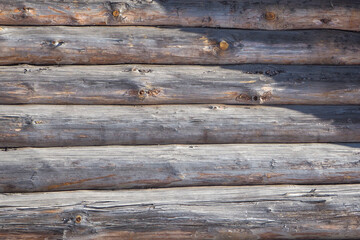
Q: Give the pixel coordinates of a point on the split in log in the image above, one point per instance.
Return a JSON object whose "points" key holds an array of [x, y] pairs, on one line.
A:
{"points": [[58, 125], [256, 212], [151, 84], [115, 45], [264, 14], [52, 169]]}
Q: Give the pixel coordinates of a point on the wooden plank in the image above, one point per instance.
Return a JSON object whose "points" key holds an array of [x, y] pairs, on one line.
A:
{"points": [[115, 45], [58, 125], [255, 212], [154, 84], [52, 169], [265, 14]]}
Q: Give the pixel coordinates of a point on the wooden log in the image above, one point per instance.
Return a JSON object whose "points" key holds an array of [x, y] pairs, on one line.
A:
{"points": [[256, 212], [115, 45], [58, 125], [265, 14], [52, 169], [153, 84]]}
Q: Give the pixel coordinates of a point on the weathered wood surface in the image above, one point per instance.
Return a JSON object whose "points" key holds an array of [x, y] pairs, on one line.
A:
{"points": [[115, 45], [52, 169], [58, 125], [256, 212], [154, 84], [265, 14]]}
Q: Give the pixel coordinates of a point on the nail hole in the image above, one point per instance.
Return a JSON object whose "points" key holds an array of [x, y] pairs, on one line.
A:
{"points": [[255, 98]]}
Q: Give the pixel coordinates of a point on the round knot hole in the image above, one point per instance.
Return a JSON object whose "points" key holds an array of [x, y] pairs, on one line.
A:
{"points": [[78, 219], [270, 16], [224, 45], [116, 13]]}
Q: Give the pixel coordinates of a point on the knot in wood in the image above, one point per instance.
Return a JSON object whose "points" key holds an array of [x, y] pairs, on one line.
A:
{"points": [[78, 219], [224, 45], [270, 16], [116, 13]]}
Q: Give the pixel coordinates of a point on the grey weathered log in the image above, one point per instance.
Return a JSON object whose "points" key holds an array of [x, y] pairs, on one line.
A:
{"points": [[255, 212], [264, 14], [154, 84], [58, 125], [52, 169], [115, 45]]}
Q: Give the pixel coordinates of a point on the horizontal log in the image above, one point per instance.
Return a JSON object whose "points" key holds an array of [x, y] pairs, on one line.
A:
{"points": [[154, 84], [58, 125], [115, 45], [265, 14], [256, 212], [52, 169]]}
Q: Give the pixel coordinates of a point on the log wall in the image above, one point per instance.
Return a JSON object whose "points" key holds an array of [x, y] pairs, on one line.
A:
{"points": [[169, 119]]}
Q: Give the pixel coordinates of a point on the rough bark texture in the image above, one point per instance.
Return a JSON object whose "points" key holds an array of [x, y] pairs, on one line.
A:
{"points": [[265, 14], [51, 169], [153, 84], [256, 212], [114, 45], [41, 125]]}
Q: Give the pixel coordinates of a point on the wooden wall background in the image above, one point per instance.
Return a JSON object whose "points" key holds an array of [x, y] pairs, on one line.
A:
{"points": [[179, 119]]}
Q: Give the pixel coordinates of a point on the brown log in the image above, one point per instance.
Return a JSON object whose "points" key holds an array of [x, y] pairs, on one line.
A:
{"points": [[53, 169], [256, 212], [153, 84], [58, 125], [115, 45], [264, 14]]}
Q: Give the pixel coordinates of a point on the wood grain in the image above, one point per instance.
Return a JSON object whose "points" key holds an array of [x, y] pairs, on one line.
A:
{"points": [[264, 14], [53, 169], [256, 212], [58, 125], [116, 45], [155, 84]]}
